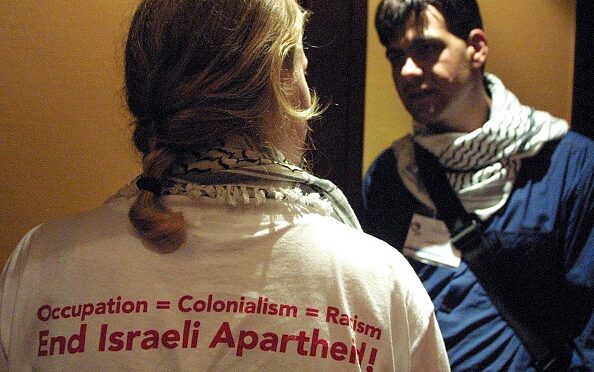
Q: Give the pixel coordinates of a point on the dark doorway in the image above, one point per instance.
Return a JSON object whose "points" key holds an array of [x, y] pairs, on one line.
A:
{"points": [[583, 84], [336, 35]]}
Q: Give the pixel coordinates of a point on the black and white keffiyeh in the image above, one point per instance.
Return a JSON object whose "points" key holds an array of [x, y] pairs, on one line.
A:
{"points": [[482, 165], [235, 173]]}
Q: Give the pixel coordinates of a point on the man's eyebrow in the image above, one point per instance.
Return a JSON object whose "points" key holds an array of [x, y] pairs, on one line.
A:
{"points": [[420, 39], [425, 38]]}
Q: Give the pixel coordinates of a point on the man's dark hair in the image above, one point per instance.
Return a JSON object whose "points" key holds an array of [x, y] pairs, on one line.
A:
{"points": [[461, 16]]}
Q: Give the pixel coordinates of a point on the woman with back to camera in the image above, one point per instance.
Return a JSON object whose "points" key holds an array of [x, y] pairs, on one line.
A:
{"points": [[224, 254]]}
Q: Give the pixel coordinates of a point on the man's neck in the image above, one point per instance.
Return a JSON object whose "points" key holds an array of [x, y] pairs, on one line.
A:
{"points": [[471, 112], [480, 111]]}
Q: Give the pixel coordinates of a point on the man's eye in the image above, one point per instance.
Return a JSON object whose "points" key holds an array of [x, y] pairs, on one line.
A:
{"points": [[428, 48], [427, 51]]}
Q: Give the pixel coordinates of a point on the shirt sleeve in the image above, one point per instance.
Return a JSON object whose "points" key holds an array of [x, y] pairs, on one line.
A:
{"points": [[9, 285], [430, 344], [427, 347]]}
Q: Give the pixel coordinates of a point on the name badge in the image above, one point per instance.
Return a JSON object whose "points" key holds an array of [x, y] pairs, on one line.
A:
{"points": [[428, 241]]}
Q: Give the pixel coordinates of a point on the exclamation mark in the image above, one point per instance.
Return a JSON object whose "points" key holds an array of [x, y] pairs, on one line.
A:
{"points": [[371, 359]]}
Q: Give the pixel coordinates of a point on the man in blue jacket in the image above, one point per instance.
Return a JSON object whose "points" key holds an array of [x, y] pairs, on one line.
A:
{"points": [[521, 174]]}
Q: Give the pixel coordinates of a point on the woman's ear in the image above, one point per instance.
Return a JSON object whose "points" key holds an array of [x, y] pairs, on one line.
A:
{"points": [[477, 47]]}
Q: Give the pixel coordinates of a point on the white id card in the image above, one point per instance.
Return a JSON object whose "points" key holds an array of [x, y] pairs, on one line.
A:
{"points": [[428, 241]]}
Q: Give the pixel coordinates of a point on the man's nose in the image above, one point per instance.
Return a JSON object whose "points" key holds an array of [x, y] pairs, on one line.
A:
{"points": [[410, 68]]}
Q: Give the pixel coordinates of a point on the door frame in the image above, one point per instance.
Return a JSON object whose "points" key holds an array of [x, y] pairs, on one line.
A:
{"points": [[336, 38]]}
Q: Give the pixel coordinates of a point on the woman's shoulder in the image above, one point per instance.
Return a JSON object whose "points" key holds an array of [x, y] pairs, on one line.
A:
{"points": [[352, 248], [105, 221]]}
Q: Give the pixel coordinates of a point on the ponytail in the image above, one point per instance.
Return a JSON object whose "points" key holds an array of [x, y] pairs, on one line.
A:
{"points": [[155, 222]]}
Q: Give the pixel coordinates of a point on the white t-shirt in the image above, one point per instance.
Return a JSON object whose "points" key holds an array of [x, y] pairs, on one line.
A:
{"points": [[267, 287]]}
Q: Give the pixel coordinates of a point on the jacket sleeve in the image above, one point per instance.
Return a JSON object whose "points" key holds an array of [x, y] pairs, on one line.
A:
{"points": [[581, 273], [387, 205], [579, 256]]}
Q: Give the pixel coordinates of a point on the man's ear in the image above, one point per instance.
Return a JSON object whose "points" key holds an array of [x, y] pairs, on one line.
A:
{"points": [[477, 47]]}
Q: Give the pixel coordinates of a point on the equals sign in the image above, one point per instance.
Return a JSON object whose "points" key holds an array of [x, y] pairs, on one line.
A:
{"points": [[163, 305], [312, 312]]}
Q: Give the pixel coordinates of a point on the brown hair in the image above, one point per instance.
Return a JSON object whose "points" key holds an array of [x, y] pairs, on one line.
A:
{"points": [[198, 71], [461, 16]]}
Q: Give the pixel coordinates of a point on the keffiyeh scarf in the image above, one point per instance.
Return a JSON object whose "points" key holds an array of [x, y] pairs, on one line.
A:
{"points": [[235, 173], [482, 165]]}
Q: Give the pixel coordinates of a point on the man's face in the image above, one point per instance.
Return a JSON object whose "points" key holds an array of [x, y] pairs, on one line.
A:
{"points": [[432, 71]]}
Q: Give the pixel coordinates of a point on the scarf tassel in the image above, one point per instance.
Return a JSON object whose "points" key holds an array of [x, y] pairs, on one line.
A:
{"points": [[236, 195]]}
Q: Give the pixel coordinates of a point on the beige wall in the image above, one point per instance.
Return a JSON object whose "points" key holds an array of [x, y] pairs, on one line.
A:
{"points": [[531, 49], [63, 128]]}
